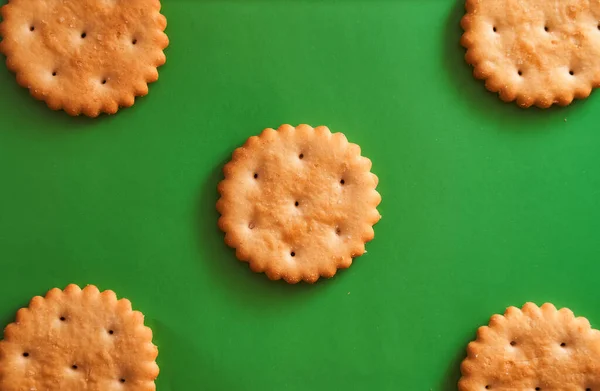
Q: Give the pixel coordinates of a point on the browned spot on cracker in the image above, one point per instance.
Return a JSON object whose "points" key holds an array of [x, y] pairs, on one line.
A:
{"points": [[543, 53], [533, 348], [84, 42], [286, 195]]}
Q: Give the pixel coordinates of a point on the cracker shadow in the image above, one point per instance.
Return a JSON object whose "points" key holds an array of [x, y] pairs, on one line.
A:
{"points": [[484, 103], [8, 318], [11, 316], [452, 375], [242, 284]]}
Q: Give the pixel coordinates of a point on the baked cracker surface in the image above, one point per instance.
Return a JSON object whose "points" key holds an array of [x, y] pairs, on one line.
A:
{"points": [[78, 340], [84, 56], [298, 203], [533, 348], [537, 52]]}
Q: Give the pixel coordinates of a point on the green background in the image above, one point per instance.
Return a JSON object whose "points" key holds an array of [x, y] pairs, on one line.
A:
{"points": [[485, 205]]}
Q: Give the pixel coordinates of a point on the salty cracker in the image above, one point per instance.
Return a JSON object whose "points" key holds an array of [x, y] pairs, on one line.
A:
{"points": [[84, 56], [78, 340], [298, 203], [537, 52], [533, 348]]}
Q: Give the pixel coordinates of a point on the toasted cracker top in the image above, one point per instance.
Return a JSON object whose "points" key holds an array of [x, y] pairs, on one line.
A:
{"points": [[78, 340], [85, 56], [298, 203], [539, 52], [533, 348]]}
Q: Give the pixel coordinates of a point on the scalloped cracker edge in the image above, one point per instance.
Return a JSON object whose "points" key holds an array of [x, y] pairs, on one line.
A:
{"points": [[84, 56], [78, 339], [298, 203], [533, 348], [534, 52]]}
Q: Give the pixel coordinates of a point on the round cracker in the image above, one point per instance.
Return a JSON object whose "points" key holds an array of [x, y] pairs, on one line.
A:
{"points": [[78, 340], [537, 52], [536, 348], [298, 203], [84, 56]]}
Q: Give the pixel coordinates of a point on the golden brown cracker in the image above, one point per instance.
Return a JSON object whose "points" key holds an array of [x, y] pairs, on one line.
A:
{"points": [[78, 340], [537, 52], [533, 348], [84, 56], [298, 203]]}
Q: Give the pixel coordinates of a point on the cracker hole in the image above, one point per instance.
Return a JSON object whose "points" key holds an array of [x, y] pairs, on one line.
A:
{"points": [[588, 389], [495, 29], [25, 354], [62, 318], [488, 387], [32, 28], [251, 225], [562, 345], [293, 254], [103, 81], [83, 35], [342, 182], [537, 389], [111, 332], [338, 231], [546, 29], [571, 72], [520, 73], [134, 42], [255, 176], [301, 156], [122, 380], [54, 73], [296, 203], [74, 367], [513, 343]]}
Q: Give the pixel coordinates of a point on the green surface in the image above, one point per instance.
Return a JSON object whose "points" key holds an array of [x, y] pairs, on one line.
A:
{"points": [[484, 205]]}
